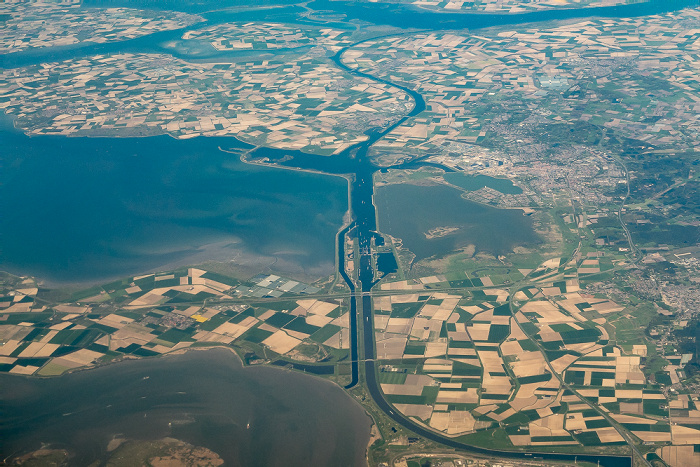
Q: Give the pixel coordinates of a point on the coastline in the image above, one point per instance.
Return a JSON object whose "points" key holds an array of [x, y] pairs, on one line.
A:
{"points": [[267, 375], [352, 178]]}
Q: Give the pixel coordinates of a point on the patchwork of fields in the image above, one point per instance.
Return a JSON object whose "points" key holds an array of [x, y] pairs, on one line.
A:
{"points": [[161, 313], [545, 367]]}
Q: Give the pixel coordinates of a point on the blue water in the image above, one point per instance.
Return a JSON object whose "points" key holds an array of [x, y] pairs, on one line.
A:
{"points": [[257, 416], [89, 209], [409, 212], [286, 11]]}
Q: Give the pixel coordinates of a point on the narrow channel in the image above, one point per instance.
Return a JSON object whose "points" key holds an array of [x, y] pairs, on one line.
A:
{"points": [[354, 161]]}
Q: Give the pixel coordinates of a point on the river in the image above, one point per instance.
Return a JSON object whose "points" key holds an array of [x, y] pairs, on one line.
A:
{"points": [[401, 16], [354, 161]]}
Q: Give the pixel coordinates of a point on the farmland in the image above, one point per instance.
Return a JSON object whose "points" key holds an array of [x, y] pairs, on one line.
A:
{"points": [[156, 314], [546, 365], [307, 104], [36, 25], [507, 6], [521, 251]]}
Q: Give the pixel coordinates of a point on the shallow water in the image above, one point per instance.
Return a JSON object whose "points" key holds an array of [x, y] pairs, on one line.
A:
{"points": [[89, 209], [249, 416], [409, 212]]}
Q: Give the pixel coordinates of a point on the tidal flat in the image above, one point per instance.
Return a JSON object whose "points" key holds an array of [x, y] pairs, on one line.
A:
{"points": [[248, 416], [92, 209]]}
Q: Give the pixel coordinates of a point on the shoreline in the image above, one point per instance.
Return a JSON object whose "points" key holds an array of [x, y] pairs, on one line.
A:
{"points": [[373, 437], [571, 6], [348, 177], [208, 249], [238, 362]]}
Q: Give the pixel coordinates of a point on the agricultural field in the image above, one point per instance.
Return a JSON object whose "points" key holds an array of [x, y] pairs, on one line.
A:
{"points": [[46, 24], [306, 103], [156, 314], [270, 36], [507, 88], [506, 6], [549, 366], [554, 166]]}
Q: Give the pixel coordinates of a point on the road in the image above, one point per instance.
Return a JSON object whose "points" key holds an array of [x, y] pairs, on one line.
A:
{"points": [[362, 194]]}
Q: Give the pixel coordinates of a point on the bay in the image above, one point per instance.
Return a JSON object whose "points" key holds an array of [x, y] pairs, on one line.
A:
{"points": [[91, 209], [255, 416]]}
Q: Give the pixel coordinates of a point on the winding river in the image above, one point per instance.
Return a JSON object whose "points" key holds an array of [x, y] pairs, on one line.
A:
{"points": [[353, 161]]}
